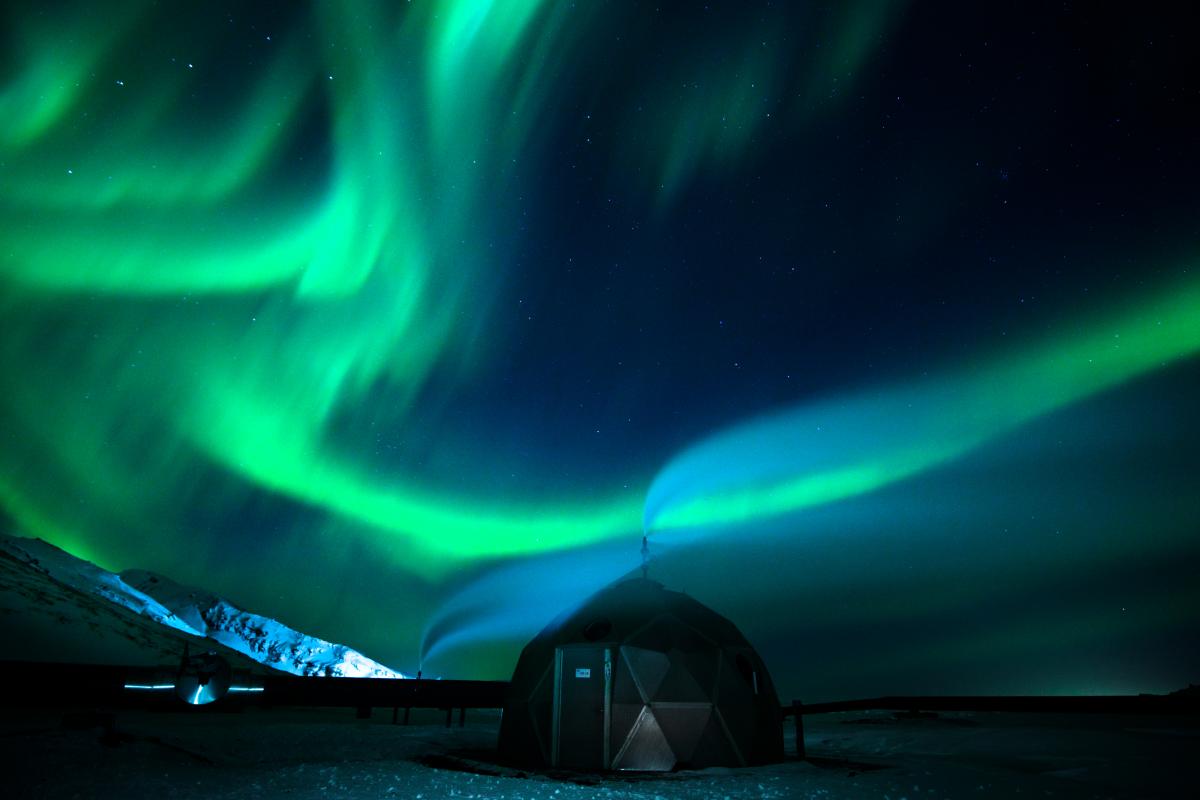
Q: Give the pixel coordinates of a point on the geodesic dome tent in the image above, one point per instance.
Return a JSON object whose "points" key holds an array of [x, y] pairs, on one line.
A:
{"points": [[640, 678]]}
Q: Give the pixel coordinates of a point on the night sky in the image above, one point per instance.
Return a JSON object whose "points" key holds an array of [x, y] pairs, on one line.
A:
{"points": [[402, 325]]}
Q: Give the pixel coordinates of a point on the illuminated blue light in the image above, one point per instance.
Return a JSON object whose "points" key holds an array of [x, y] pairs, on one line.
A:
{"points": [[246, 688], [149, 686]]}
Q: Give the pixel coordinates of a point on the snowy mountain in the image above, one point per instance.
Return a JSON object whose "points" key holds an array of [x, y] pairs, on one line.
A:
{"points": [[40, 580], [265, 640]]}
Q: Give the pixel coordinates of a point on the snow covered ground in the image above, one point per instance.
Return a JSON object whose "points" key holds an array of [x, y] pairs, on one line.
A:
{"points": [[61, 602], [55, 608], [305, 754]]}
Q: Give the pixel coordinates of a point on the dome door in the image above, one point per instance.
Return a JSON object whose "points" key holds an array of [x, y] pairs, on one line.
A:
{"points": [[582, 703]]}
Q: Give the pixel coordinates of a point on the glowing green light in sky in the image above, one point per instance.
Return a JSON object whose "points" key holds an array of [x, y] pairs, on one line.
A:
{"points": [[842, 448], [257, 274], [205, 272], [256, 287]]}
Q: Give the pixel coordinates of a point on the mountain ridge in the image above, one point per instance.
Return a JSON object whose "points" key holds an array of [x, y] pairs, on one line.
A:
{"points": [[178, 608]]}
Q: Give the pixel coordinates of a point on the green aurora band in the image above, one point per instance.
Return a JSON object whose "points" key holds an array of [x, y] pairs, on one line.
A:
{"points": [[191, 285], [221, 292], [257, 297], [919, 426]]}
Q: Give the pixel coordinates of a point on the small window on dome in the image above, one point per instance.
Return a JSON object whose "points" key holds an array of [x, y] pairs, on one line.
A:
{"points": [[596, 630]]}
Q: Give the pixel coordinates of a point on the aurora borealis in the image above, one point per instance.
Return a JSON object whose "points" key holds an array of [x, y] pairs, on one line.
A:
{"points": [[400, 324]]}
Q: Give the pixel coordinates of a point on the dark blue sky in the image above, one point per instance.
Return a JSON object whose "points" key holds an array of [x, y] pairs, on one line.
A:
{"points": [[387, 323]]}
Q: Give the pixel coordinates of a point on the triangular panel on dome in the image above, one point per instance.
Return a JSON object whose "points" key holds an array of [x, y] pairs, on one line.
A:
{"points": [[624, 685], [622, 718], [682, 724], [702, 664], [648, 668], [680, 685], [657, 634], [687, 637], [734, 733], [646, 748], [733, 684], [713, 748], [704, 619]]}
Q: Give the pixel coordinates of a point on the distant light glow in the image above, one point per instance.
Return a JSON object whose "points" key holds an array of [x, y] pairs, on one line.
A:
{"points": [[247, 688], [149, 686]]}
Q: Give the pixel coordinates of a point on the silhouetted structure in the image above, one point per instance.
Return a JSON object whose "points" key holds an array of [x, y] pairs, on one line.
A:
{"points": [[640, 678]]}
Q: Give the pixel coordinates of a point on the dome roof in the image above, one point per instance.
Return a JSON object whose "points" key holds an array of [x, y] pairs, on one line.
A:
{"points": [[641, 677]]}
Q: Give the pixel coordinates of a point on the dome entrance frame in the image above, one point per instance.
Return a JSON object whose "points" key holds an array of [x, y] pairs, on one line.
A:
{"points": [[582, 715]]}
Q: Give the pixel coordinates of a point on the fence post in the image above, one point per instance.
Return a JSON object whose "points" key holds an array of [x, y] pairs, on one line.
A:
{"points": [[798, 713]]}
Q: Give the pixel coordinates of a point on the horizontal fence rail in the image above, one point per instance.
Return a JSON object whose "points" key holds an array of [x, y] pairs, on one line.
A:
{"points": [[40, 684], [1187, 702], [1037, 704], [44, 684]]}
